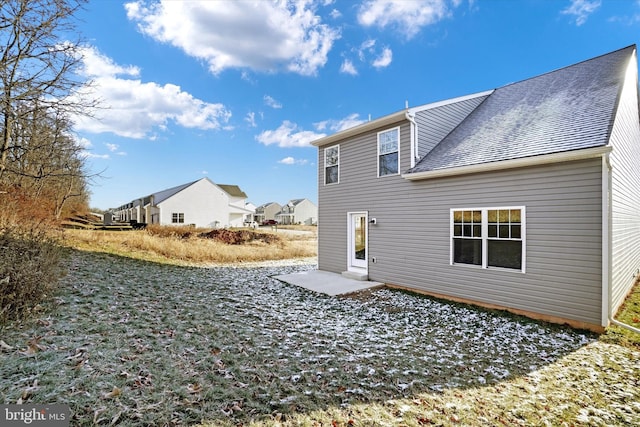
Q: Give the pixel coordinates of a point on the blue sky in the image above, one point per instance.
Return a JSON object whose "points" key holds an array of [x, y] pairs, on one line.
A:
{"points": [[236, 90]]}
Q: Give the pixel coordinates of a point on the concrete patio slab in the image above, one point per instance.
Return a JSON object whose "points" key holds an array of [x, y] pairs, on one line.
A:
{"points": [[327, 283]]}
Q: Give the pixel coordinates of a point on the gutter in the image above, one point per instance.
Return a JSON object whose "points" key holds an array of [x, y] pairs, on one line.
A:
{"points": [[606, 250], [624, 325], [414, 138], [364, 127]]}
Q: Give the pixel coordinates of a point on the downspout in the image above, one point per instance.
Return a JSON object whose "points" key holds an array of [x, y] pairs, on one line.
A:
{"points": [[414, 140], [607, 256]]}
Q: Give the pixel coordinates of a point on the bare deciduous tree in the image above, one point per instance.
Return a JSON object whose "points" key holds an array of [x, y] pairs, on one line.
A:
{"points": [[38, 65]]}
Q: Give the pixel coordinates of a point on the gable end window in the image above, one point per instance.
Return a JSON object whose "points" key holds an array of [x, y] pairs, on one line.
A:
{"points": [[177, 218], [388, 150], [332, 165], [489, 237]]}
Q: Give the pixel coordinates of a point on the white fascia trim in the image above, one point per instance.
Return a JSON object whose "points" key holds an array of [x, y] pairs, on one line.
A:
{"points": [[566, 156], [448, 101], [390, 119], [364, 127]]}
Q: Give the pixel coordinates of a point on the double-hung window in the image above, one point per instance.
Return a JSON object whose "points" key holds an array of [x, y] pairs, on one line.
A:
{"points": [[489, 237], [332, 165], [388, 149], [177, 218]]}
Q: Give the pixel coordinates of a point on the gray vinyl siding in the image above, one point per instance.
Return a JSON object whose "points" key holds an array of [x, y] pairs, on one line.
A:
{"points": [[411, 241], [625, 163], [436, 123]]}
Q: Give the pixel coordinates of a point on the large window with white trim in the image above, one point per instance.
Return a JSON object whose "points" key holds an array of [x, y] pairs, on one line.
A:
{"points": [[489, 237], [388, 150], [332, 165]]}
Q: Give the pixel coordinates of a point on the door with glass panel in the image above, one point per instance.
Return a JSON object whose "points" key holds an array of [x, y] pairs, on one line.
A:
{"points": [[357, 240]]}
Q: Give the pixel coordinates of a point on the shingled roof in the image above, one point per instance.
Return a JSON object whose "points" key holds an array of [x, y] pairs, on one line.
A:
{"points": [[232, 190], [568, 109]]}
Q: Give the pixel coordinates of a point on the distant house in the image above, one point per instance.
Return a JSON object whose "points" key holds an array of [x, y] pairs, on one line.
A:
{"points": [[525, 198], [251, 210], [200, 203], [298, 211], [266, 212]]}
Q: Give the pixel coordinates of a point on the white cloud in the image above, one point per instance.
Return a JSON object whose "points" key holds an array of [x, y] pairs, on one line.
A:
{"points": [[367, 46], [95, 64], [384, 59], [272, 102], [365, 52], [406, 17], [84, 143], [91, 155], [581, 9], [251, 119], [293, 161], [260, 35], [135, 109], [114, 149], [288, 135], [85, 146], [347, 67], [338, 125]]}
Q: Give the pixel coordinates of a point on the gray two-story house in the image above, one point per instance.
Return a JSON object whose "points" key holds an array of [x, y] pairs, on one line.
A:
{"points": [[525, 198]]}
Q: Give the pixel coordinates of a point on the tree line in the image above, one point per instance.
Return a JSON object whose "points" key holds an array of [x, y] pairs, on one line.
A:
{"points": [[42, 164]]}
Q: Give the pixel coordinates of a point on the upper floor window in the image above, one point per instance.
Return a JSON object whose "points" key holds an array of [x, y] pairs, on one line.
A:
{"points": [[488, 237], [177, 218], [388, 144], [332, 164]]}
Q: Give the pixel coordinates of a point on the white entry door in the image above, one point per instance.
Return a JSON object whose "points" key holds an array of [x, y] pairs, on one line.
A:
{"points": [[357, 240]]}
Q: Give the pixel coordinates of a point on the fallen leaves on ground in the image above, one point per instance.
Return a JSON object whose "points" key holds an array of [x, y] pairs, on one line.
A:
{"points": [[135, 343]]}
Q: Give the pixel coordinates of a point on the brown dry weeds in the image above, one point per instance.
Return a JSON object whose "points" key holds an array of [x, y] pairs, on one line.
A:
{"points": [[197, 247]]}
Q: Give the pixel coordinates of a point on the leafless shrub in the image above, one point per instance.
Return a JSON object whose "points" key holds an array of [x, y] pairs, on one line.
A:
{"points": [[29, 271]]}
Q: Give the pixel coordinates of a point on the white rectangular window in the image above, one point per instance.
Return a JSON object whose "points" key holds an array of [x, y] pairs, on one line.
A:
{"points": [[388, 150], [177, 218], [489, 237], [332, 165]]}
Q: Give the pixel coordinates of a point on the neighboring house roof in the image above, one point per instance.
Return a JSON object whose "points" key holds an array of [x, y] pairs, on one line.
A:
{"points": [[265, 205], [568, 109], [294, 202], [291, 204], [233, 190], [160, 196], [163, 195]]}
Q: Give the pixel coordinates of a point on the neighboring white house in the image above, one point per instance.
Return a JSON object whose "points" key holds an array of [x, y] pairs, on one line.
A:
{"points": [[200, 203], [248, 217], [298, 211], [266, 212]]}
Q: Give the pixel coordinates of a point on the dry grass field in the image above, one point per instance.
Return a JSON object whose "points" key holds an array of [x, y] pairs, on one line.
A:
{"points": [[189, 246]]}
